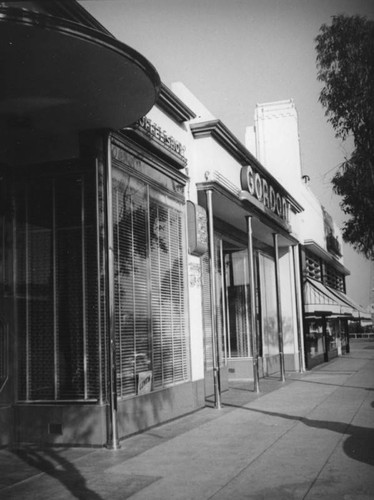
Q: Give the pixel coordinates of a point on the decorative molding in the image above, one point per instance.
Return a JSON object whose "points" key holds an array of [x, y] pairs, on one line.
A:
{"points": [[173, 106], [225, 138]]}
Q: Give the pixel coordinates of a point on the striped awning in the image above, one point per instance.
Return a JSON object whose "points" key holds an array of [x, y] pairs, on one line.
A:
{"points": [[358, 311], [321, 300]]}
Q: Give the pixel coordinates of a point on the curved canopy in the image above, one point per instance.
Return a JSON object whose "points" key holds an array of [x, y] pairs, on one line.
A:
{"points": [[58, 75]]}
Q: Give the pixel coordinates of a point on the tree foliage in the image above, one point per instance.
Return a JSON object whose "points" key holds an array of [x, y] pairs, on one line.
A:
{"points": [[345, 63]]}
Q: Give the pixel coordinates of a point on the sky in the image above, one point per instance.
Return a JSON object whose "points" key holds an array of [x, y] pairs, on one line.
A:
{"points": [[233, 54]]}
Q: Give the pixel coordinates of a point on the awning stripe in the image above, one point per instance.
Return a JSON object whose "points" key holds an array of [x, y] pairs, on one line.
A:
{"points": [[323, 300], [359, 311]]}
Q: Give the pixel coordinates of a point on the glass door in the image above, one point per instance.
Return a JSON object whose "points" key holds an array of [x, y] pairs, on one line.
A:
{"points": [[237, 303]]}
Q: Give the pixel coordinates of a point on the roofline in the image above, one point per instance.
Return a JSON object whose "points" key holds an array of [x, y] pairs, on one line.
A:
{"points": [[173, 106], [79, 14]]}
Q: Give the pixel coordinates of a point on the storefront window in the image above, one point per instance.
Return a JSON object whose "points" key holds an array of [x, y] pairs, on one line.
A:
{"points": [[333, 333], [220, 307], [152, 349], [269, 327], [314, 344], [3, 354], [238, 301], [56, 292]]}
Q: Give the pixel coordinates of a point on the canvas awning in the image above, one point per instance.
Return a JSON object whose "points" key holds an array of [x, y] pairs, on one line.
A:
{"points": [[358, 311], [321, 300]]}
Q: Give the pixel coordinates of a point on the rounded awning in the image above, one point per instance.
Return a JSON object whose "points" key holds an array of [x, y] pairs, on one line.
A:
{"points": [[61, 76]]}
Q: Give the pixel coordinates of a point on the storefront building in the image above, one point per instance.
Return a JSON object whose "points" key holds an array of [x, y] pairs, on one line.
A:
{"points": [[326, 312], [115, 315], [148, 258], [325, 305], [327, 308], [88, 217], [249, 272]]}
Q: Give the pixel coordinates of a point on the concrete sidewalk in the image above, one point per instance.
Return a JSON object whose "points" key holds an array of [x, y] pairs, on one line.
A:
{"points": [[310, 437]]}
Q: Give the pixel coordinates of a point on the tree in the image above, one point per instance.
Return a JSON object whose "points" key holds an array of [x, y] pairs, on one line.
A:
{"points": [[345, 64]]}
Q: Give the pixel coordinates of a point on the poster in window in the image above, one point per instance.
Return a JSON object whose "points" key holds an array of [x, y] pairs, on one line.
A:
{"points": [[144, 382]]}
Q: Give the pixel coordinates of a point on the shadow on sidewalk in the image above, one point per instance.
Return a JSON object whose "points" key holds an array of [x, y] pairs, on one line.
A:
{"points": [[52, 463], [335, 385], [359, 444]]}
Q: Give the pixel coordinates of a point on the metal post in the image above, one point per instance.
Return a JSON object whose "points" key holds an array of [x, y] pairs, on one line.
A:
{"points": [[112, 441], [252, 296], [279, 309], [325, 337], [215, 344], [296, 271]]}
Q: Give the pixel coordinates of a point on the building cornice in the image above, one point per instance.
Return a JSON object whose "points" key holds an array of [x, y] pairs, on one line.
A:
{"points": [[173, 106]]}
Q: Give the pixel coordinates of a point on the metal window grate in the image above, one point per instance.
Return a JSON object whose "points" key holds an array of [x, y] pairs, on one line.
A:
{"points": [[313, 267], [334, 279]]}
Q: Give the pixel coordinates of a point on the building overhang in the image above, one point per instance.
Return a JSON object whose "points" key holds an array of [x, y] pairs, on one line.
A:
{"points": [[61, 76], [229, 208]]}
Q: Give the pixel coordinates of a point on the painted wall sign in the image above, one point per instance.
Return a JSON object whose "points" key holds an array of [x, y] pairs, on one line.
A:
{"points": [[259, 187], [156, 132], [144, 382]]}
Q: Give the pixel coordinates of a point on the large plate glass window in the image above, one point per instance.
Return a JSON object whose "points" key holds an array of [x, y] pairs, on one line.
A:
{"points": [[149, 274], [55, 288], [220, 306], [238, 303], [269, 325]]}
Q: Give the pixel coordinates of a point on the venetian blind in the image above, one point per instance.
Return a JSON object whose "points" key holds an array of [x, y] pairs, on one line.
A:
{"points": [[149, 285]]}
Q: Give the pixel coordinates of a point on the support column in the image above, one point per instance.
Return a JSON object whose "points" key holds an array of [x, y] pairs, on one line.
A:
{"points": [[112, 440], [213, 309], [279, 309], [325, 339], [298, 292], [252, 293]]}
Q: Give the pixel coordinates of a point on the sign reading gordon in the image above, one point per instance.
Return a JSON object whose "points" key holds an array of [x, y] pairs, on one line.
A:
{"points": [[258, 186]]}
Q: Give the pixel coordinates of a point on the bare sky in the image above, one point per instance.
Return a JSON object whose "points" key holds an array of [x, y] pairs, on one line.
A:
{"points": [[233, 54]]}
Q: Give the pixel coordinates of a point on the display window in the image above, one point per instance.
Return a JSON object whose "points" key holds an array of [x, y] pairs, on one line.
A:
{"points": [[238, 303], [333, 333], [149, 276], [232, 302], [314, 338], [220, 307], [56, 288], [269, 314]]}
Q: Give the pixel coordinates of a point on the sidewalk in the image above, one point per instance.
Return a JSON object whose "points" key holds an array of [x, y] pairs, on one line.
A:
{"points": [[311, 437]]}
